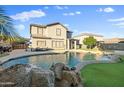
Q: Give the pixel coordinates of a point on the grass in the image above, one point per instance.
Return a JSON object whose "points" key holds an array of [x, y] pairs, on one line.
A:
{"points": [[103, 75]]}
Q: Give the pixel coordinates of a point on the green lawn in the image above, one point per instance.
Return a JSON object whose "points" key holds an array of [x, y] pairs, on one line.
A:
{"points": [[103, 75]]}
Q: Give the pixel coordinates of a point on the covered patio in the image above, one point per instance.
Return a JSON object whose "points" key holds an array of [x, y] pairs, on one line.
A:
{"points": [[73, 44]]}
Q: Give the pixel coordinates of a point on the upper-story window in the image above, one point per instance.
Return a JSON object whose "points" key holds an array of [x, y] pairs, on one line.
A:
{"points": [[58, 32], [40, 31]]}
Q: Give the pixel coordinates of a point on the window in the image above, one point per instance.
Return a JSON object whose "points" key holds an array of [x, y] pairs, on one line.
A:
{"points": [[40, 31], [58, 44], [41, 44], [61, 44], [58, 32], [54, 44]]}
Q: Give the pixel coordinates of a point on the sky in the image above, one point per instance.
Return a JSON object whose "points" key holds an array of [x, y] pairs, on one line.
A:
{"points": [[106, 20]]}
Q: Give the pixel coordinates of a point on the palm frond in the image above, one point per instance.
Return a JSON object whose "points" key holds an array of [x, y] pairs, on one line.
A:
{"points": [[6, 27]]}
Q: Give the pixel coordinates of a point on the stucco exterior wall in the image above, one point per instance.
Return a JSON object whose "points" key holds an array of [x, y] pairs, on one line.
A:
{"points": [[49, 36], [52, 32]]}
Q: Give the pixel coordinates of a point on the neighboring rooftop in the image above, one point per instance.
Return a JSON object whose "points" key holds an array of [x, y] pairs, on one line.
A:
{"points": [[88, 34], [115, 38]]}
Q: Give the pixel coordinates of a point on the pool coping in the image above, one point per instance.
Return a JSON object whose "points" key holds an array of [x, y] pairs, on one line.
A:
{"points": [[28, 54]]}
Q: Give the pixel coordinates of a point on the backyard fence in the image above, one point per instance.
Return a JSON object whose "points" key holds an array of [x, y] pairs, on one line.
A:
{"points": [[19, 46], [114, 46]]}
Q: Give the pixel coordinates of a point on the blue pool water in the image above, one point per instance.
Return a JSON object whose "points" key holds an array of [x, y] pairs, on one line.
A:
{"points": [[45, 61]]}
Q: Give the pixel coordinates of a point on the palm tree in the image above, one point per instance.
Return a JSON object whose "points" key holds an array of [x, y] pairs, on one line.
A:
{"points": [[7, 31]]}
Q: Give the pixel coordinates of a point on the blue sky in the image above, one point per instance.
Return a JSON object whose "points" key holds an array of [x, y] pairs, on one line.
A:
{"points": [[105, 20]]}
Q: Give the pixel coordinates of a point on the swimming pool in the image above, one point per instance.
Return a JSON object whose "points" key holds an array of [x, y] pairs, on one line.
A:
{"points": [[45, 61]]}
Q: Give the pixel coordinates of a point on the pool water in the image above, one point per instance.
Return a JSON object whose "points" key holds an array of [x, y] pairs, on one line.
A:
{"points": [[71, 59]]}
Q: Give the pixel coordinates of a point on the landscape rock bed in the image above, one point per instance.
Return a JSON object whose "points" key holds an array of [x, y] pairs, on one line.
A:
{"points": [[26, 76], [32, 76]]}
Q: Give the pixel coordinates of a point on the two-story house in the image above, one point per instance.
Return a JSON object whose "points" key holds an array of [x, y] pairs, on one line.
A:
{"points": [[52, 36]]}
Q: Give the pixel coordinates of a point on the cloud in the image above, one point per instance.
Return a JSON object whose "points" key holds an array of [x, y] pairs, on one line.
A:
{"points": [[78, 12], [26, 15], [119, 22], [107, 10], [75, 30], [72, 13], [58, 7], [116, 20], [65, 7], [67, 25], [61, 7], [65, 14], [117, 34], [120, 25], [20, 27], [46, 7], [69, 14]]}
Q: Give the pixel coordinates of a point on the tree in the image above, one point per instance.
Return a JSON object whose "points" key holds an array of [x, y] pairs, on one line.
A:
{"points": [[90, 42], [7, 31]]}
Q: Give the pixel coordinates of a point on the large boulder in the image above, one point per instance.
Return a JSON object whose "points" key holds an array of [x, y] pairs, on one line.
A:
{"points": [[57, 69], [65, 77], [16, 76], [42, 78], [26, 76], [69, 78], [72, 77]]}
